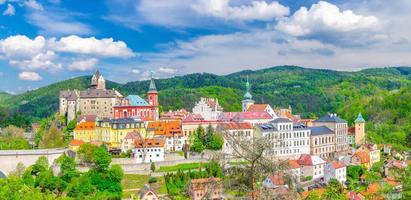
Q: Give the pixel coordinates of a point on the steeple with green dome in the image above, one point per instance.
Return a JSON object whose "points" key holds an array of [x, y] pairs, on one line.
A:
{"points": [[359, 119], [248, 98]]}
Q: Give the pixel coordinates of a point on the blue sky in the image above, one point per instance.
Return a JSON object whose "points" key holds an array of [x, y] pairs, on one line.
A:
{"points": [[45, 41]]}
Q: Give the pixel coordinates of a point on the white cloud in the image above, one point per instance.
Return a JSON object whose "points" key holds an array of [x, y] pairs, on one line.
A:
{"points": [[256, 10], [10, 11], [58, 22], [106, 47], [166, 70], [326, 22], [52, 54], [30, 76], [135, 71], [83, 65], [33, 4]]}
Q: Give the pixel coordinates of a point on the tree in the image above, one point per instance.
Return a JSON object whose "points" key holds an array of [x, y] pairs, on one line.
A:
{"points": [[13, 132], [85, 153], [209, 133], [52, 138], [200, 134], [409, 139], [216, 142], [101, 159], [197, 146], [406, 183], [68, 168], [313, 195], [334, 190], [152, 167]]}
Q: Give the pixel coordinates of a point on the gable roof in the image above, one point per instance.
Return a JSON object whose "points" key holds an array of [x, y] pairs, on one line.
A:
{"points": [[149, 143], [253, 115], [257, 108], [310, 160], [277, 179], [135, 100], [320, 130], [132, 135], [227, 116], [166, 128], [293, 164], [364, 156], [235, 125], [76, 142], [337, 164]]}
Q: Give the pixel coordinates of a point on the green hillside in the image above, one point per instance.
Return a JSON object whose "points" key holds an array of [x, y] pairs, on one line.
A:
{"points": [[382, 95]]}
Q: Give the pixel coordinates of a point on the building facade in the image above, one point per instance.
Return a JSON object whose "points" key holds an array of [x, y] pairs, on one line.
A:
{"points": [[170, 131], [235, 133], [288, 140], [340, 129], [208, 108], [312, 165], [322, 142], [96, 100], [149, 150], [359, 130], [135, 106], [336, 170]]}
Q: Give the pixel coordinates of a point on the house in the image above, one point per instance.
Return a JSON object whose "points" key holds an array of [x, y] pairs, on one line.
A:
{"points": [[295, 169], [336, 170], [274, 181], [361, 158], [74, 145], [262, 108], [171, 131], [149, 150], [192, 122], [322, 142], [86, 131], [235, 133], [289, 140], [128, 142], [148, 194], [351, 136], [255, 118], [208, 108], [312, 165], [205, 188], [373, 151], [339, 127]]}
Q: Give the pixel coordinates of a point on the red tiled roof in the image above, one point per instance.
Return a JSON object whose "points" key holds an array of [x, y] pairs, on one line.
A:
{"points": [[307, 159], [254, 115], [277, 179], [235, 125], [293, 164], [257, 108], [76, 142], [364, 156], [351, 131], [148, 143], [193, 117], [337, 164], [167, 128], [87, 118], [227, 116], [132, 135]]}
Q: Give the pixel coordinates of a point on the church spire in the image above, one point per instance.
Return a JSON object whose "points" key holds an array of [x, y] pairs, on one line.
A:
{"points": [[152, 87], [247, 94]]}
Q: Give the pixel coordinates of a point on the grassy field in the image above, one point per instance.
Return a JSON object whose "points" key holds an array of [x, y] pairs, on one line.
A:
{"points": [[132, 183], [184, 167]]}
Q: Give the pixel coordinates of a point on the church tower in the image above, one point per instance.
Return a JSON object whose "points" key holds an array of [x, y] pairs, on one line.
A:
{"points": [[97, 81], [359, 130], [248, 98], [152, 97]]}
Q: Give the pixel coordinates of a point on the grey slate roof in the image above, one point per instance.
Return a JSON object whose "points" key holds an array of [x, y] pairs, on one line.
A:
{"points": [[320, 130], [330, 118], [267, 127], [281, 120], [98, 93]]}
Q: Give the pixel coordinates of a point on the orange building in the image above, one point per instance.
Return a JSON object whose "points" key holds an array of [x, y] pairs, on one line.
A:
{"points": [[85, 131], [169, 130]]}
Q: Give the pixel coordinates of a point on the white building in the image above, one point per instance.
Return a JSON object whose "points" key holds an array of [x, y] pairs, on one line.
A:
{"points": [[336, 170], [208, 108], [235, 133], [149, 150], [312, 165], [340, 129], [295, 169], [288, 140]]}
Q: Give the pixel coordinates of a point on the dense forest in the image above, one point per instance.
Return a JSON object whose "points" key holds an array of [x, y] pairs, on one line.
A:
{"points": [[382, 95]]}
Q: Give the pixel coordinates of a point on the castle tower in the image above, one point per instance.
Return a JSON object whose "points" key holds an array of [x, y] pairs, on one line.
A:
{"points": [[359, 130], [152, 97], [97, 81], [248, 98]]}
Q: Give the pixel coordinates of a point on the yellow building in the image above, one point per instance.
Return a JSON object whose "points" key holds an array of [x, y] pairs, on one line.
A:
{"points": [[108, 131], [85, 131], [113, 131]]}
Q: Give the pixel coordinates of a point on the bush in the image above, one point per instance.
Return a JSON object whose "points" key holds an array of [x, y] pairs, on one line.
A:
{"points": [[152, 180], [308, 178]]}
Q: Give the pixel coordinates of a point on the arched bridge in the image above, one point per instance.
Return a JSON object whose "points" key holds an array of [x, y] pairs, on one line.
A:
{"points": [[10, 158]]}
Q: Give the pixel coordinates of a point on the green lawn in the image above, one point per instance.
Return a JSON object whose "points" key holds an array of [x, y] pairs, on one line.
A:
{"points": [[136, 181], [184, 167]]}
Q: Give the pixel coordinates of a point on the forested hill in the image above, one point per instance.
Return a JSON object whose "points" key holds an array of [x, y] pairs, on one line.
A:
{"points": [[383, 95]]}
